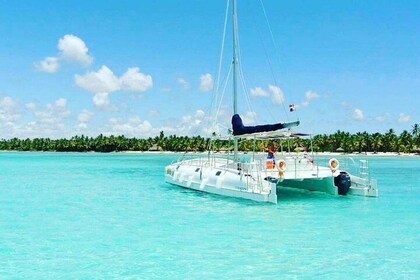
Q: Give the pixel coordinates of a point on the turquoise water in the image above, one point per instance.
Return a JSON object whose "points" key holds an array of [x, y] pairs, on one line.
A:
{"points": [[112, 216]]}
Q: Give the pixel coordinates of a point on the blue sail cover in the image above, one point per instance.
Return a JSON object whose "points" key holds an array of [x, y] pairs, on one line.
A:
{"points": [[240, 129]]}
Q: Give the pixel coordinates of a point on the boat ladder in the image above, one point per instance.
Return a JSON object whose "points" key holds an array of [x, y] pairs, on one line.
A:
{"points": [[364, 170]]}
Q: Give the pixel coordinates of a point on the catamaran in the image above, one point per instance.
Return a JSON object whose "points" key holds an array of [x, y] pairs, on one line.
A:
{"points": [[260, 178]]}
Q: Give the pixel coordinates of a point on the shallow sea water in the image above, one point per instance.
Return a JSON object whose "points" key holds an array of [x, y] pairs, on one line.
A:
{"points": [[70, 215]]}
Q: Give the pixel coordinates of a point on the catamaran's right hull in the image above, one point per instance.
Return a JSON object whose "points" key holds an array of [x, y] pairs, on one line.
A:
{"points": [[326, 184], [321, 184]]}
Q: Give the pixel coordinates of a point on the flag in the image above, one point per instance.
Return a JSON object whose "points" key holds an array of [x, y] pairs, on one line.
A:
{"points": [[292, 107]]}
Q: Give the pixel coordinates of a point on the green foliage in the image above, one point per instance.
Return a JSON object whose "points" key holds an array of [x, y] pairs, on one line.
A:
{"points": [[339, 141]]}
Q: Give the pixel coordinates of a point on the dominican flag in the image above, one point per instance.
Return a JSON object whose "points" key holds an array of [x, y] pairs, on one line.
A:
{"points": [[292, 107]]}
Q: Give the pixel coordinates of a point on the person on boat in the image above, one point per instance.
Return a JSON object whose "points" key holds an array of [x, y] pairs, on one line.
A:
{"points": [[271, 150]]}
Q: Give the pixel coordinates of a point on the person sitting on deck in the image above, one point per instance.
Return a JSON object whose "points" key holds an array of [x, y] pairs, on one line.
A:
{"points": [[271, 149]]}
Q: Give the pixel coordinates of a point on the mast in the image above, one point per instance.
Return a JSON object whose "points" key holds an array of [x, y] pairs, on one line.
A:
{"points": [[235, 66]]}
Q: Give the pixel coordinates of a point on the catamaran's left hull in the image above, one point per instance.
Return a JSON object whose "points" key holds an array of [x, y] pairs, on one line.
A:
{"points": [[224, 191], [220, 181]]}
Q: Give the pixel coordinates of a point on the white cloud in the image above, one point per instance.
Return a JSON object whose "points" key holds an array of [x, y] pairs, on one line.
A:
{"points": [[165, 89], [82, 126], [258, 91], [84, 116], [154, 113], [345, 104], [191, 123], [49, 64], [46, 121], [74, 49], [53, 114], [195, 119], [403, 118], [199, 114], [309, 96], [31, 106], [249, 118], [134, 127], [133, 80], [104, 81], [206, 82], [184, 84], [61, 103], [186, 119], [382, 118], [71, 48], [51, 120], [9, 109], [101, 81], [7, 103], [358, 114], [277, 96], [60, 106], [101, 99]]}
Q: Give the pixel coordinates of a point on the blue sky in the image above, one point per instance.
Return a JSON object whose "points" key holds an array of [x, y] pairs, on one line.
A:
{"points": [[139, 67]]}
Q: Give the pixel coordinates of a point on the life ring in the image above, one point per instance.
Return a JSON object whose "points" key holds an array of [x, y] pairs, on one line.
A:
{"points": [[282, 165], [269, 164], [334, 164]]}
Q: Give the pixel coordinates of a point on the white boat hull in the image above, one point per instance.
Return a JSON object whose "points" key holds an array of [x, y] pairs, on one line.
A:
{"points": [[217, 176], [254, 182], [230, 192]]}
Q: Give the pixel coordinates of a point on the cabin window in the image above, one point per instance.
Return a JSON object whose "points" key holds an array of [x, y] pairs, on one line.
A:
{"points": [[198, 169], [218, 173]]}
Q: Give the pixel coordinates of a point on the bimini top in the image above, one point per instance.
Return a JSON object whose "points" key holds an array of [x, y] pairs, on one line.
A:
{"points": [[239, 129]]}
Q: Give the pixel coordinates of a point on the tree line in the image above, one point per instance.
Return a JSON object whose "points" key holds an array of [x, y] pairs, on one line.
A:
{"points": [[407, 141]]}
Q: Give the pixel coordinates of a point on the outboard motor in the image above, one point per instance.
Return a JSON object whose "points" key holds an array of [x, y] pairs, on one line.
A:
{"points": [[342, 182]]}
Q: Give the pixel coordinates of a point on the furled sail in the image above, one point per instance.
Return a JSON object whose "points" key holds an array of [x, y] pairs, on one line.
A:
{"points": [[240, 129]]}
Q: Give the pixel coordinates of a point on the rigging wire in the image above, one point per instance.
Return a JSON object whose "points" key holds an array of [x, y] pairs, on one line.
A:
{"points": [[218, 97], [245, 87], [242, 76], [216, 89], [222, 48], [270, 64], [214, 128], [223, 92], [266, 103], [275, 46]]}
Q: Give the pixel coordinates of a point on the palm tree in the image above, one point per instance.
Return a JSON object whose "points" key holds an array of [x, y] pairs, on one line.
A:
{"points": [[415, 130], [416, 135], [390, 141], [406, 142], [376, 142]]}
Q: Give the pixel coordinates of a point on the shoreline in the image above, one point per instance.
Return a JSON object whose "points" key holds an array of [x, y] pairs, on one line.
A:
{"points": [[368, 154]]}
